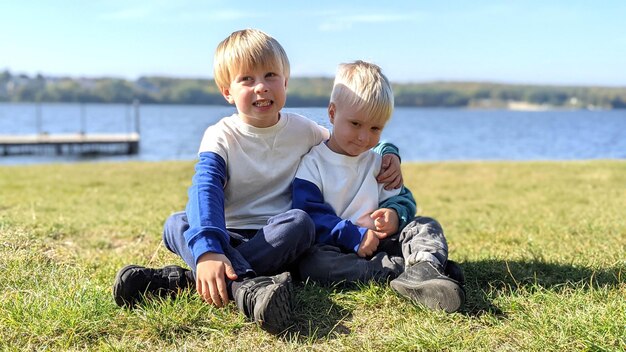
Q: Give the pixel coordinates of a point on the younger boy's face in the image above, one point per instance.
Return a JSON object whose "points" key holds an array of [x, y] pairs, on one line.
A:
{"points": [[259, 95], [354, 132]]}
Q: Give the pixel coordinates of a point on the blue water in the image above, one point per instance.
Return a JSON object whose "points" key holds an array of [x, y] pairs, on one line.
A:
{"points": [[171, 132]]}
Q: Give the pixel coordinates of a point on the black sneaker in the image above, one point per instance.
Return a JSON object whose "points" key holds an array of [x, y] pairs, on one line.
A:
{"points": [[267, 300], [454, 271], [132, 282], [426, 283]]}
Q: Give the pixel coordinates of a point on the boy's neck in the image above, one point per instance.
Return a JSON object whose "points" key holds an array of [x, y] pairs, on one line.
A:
{"points": [[330, 143], [259, 123]]}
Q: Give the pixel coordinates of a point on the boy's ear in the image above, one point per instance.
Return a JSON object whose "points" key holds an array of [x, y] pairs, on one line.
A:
{"points": [[226, 94], [331, 112]]}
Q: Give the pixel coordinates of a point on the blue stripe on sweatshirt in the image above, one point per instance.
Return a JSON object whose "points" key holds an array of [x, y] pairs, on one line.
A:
{"points": [[205, 208], [329, 228]]}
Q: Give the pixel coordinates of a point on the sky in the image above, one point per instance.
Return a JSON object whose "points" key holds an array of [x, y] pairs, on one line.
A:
{"points": [[523, 42]]}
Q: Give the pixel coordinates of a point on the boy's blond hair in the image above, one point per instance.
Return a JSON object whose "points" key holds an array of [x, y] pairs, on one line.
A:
{"points": [[246, 50], [363, 85]]}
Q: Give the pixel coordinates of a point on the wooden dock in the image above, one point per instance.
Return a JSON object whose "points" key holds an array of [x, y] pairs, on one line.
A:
{"points": [[81, 142], [127, 143]]}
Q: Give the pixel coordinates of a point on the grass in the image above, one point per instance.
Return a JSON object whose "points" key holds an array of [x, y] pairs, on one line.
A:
{"points": [[542, 244]]}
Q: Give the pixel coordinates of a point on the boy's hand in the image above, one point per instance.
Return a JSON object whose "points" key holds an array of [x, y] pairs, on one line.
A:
{"points": [[210, 282], [386, 221], [369, 243], [390, 173]]}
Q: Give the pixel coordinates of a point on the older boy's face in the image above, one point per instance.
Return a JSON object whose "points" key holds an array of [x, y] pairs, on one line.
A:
{"points": [[354, 132], [259, 95]]}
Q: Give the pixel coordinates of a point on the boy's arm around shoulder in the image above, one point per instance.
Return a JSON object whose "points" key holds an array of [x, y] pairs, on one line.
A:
{"points": [[384, 147], [308, 131], [205, 207], [391, 173]]}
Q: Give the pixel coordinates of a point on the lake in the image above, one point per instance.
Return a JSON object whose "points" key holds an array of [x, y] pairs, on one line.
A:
{"points": [[173, 132]]}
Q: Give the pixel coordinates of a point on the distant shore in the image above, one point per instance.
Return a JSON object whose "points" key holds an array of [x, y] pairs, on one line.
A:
{"points": [[526, 106], [306, 92]]}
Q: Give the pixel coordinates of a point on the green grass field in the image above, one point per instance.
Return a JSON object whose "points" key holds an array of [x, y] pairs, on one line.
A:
{"points": [[543, 246]]}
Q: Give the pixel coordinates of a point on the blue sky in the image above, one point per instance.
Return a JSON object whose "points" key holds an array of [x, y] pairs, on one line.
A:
{"points": [[538, 42]]}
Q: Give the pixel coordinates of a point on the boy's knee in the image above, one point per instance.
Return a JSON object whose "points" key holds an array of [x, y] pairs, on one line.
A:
{"points": [[175, 225], [303, 225], [423, 228], [421, 221]]}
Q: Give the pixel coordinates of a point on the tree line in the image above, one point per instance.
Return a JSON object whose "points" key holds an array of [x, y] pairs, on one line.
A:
{"points": [[302, 92]]}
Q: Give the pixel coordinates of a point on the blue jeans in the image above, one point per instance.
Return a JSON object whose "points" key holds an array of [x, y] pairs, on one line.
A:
{"points": [[267, 251]]}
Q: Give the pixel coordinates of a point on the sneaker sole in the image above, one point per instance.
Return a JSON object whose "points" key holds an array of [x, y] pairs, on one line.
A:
{"points": [[274, 312], [118, 289], [435, 294]]}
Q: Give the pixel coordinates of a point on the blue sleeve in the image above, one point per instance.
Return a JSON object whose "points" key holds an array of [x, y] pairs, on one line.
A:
{"points": [[205, 208], [383, 148], [404, 205], [329, 228]]}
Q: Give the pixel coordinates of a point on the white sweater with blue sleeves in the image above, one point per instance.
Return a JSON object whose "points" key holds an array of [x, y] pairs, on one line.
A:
{"points": [[339, 192], [243, 176]]}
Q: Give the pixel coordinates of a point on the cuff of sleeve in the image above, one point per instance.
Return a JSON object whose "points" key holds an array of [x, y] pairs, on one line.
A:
{"points": [[403, 219], [361, 231], [204, 244], [389, 148]]}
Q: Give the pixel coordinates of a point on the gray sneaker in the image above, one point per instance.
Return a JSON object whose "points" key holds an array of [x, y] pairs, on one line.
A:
{"points": [[267, 300], [426, 283], [133, 282]]}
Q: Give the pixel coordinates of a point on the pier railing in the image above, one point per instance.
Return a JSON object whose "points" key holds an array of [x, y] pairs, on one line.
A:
{"points": [[80, 142]]}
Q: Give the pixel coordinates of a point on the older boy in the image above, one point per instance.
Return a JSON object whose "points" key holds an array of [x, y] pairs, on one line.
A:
{"points": [[335, 184], [238, 223]]}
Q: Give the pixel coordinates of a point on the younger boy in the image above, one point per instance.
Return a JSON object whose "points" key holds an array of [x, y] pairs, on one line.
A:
{"points": [[238, 222], [335, 184]]}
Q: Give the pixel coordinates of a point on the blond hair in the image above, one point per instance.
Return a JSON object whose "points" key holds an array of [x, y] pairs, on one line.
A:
{"points": [[247, 50], [363, 85]]}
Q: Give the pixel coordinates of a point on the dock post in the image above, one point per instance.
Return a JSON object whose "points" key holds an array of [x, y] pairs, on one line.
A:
{"points": [[134, 147], [38, 117], [83, 127], [136, 108]]}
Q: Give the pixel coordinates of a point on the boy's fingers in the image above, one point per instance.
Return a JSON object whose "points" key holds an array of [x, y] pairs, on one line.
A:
{"points": [[199, 287], [377, 214], [394, 183], [204, 292], [215, 295], [391, 181], [230, 273], [384, 175], [380, 235], [386, 163], [223, 293]]}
